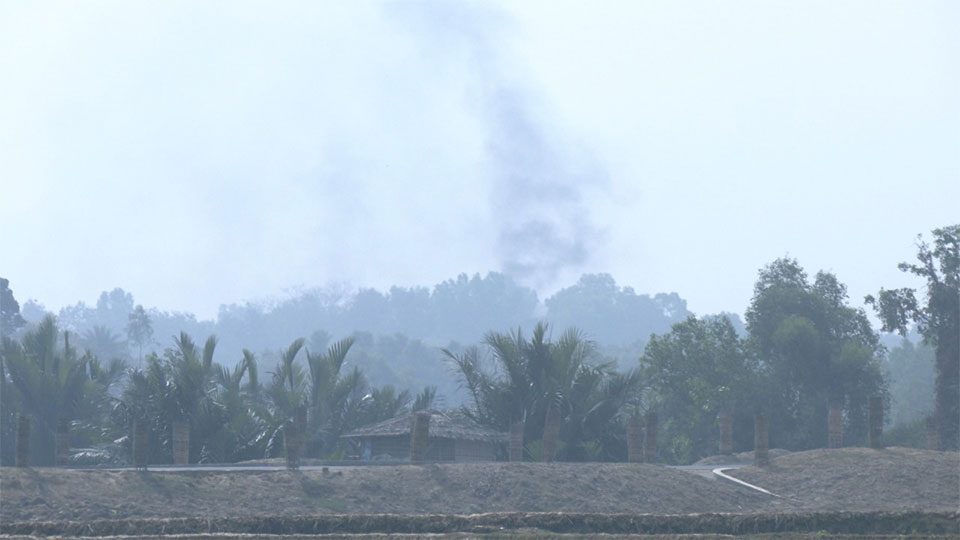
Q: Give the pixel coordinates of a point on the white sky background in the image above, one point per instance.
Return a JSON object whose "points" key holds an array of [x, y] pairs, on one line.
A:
{"points": [[200, 153]]}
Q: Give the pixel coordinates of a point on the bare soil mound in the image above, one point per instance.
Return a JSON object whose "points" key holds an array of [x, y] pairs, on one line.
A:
{"points": [[861, 479], [58, 495]]}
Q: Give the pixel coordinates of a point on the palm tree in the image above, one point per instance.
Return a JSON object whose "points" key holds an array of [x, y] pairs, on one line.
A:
{"points": [[381, 404], [238, 437], [103, 343], [286, 394], [192, 390], [336, 400], [426, 399], [148, 398], [176, 395], [52, 384], [546, 390]]}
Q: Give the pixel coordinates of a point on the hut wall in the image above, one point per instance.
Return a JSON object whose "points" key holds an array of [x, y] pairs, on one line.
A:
{"points": [[395, 447], [398, 447], [441, 450], [474, 451]]}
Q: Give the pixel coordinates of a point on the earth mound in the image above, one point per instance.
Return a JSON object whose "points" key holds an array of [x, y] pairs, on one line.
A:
{"points": [[858, 479], [741, 458], [466, 488]]}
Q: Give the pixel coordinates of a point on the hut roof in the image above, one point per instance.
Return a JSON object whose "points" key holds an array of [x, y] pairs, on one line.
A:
{"points": [[443, 424]]}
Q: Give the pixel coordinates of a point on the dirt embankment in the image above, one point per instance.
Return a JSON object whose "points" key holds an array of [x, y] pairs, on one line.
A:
{"points": [[51, 494], [852, 479], [863, 479]]}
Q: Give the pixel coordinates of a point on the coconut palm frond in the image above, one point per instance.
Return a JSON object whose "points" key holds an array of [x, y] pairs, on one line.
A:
{"points": [[253, 376], [425, 399], [208, 349], [337, 353]]}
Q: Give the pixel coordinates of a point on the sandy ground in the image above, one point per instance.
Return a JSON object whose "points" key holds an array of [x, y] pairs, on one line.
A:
{"points": [[848, 479]]}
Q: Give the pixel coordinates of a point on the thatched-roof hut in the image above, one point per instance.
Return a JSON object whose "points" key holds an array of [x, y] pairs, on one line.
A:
{"points": [[453, 437]]}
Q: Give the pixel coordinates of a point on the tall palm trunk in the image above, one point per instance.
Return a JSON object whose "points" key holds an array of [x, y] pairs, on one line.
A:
{"points": [[551, 432], [181, 442], [516, 440]]}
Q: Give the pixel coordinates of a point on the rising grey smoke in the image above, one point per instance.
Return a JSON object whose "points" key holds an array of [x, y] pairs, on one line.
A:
{"points": [[537, 179], [544, 224]]}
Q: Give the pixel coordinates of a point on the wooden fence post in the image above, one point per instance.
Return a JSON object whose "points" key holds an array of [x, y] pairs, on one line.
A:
{"points": [[835, 427], [725, 421], [551, 433], [294, 435], [933, 434], [140, 445], [22, 457], [875, 422], [62, 443], [634, 439], [181, 442], [650, 438], [761, 441], [516, 441], [419, 437]]}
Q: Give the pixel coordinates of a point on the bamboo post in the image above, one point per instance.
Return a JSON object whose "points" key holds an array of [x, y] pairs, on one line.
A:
{"points": [[650, 438], [419, 437], [875, 422], [516, 441], [62, 443], [761, 441], [551, 433], [835, 427], [181, 442], [293, 437], [634, 439], [725, 421], [933, 435], [140, 444], [22, 457]]}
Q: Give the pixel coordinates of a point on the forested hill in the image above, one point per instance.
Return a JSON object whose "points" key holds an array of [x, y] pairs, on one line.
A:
{"points": [[398, 331]]}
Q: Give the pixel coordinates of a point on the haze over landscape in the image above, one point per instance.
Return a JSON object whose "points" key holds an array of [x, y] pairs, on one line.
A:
{"points": [[197, 156], [638, 268]]}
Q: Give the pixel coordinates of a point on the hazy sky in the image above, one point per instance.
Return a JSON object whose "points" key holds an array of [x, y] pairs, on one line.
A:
{"points": [[199, 153]]}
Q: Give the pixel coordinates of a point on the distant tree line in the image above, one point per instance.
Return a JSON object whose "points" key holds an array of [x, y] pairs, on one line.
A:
{"points": [[453, 311], [398, 332], [803, 350]]}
